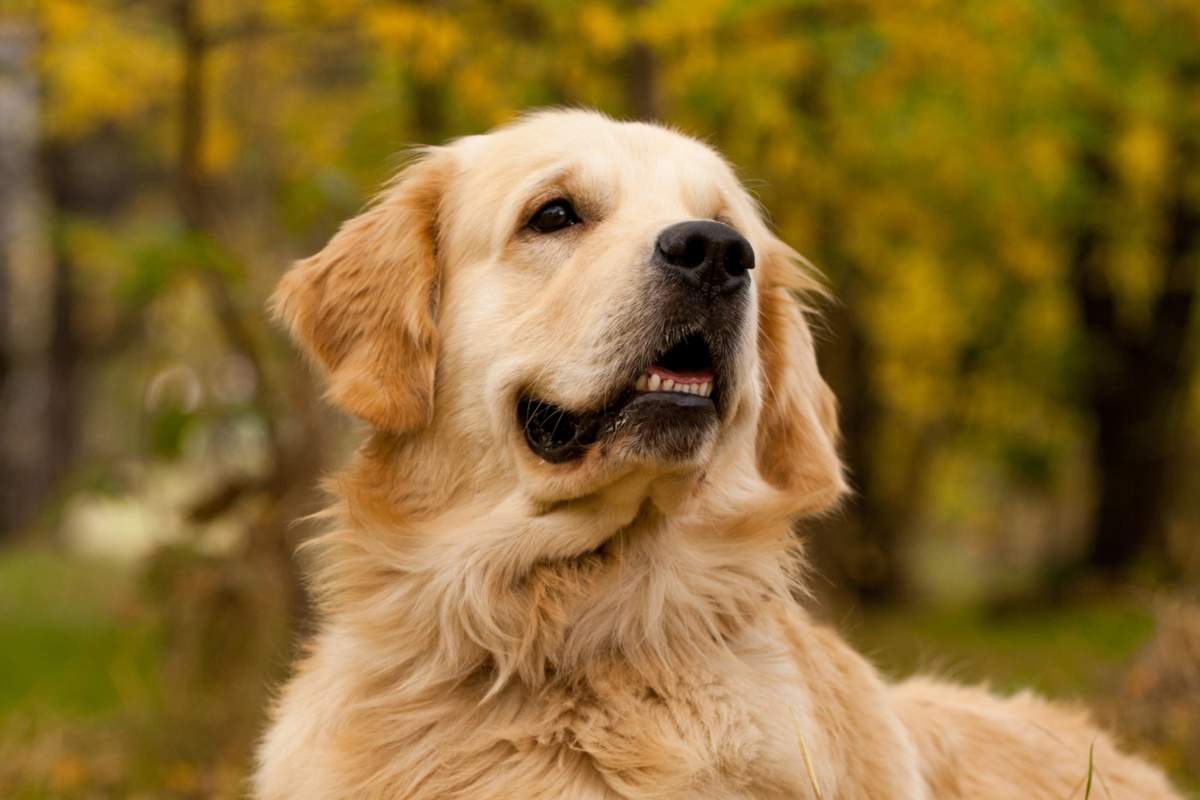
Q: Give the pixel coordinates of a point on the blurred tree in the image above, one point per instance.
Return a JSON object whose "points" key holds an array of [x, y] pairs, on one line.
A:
{"points": [[642, 74], [1134, 281], [29, 462]]}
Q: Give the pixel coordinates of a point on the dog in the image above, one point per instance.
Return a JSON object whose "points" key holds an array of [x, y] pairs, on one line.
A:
{"points": [[561, 564]]}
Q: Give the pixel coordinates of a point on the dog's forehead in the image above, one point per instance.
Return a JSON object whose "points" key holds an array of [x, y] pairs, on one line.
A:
{"points": [[592, 148]]}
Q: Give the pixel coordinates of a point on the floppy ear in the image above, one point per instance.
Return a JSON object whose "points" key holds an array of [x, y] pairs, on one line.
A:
{"points": [[798, 428], [363, 308]]}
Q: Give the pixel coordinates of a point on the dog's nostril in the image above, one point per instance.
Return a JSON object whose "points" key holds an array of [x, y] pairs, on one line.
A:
{"points": [[694, 252], [735, 260], [688, 252]]}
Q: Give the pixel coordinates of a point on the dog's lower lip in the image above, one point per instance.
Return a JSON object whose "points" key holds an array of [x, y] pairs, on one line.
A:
{"points": [[680, 399]]}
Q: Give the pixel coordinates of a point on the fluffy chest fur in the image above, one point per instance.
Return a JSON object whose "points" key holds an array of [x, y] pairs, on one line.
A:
{"points": [[668, 661], [737, 725]]}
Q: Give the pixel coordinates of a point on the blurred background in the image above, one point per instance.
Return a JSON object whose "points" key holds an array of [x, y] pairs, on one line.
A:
{"points": [[1004, 196]]}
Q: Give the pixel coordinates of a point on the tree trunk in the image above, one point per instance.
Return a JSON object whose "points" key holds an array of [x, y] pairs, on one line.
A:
{"points": [[64, 413], [641, 76], [860, 549], [28, 469], [1136, 380]]}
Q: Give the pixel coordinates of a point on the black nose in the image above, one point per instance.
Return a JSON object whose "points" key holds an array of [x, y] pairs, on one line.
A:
{"points": [[706, 254]]}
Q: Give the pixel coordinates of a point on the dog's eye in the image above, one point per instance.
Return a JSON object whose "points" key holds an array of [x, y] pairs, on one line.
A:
{"points": [[554, 216]]}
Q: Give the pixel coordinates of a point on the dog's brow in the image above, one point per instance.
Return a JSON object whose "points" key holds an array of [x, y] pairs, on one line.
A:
{"points": [[558, 179]]}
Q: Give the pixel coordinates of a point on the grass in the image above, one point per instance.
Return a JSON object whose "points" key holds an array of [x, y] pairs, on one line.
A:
{"points": [[1069, 652], [1087, 792], [78, 661], [73, 640]]}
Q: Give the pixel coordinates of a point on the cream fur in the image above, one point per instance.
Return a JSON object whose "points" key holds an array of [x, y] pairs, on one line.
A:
{"points": [[494, 626]]}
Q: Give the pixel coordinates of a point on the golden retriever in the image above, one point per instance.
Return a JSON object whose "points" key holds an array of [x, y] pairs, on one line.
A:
{"points": [[561, 565]]}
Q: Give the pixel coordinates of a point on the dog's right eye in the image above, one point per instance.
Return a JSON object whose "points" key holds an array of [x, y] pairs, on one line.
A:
{"points": [[554, 216]]}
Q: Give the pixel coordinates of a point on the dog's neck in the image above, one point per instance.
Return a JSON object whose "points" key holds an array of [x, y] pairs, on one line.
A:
{"points": [[449, 587]]}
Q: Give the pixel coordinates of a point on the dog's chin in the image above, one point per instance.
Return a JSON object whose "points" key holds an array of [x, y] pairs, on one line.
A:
{"points": [[663, 428]]}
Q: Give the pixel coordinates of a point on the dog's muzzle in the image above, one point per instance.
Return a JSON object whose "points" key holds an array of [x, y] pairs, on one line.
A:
{"points": [[680, 370]]}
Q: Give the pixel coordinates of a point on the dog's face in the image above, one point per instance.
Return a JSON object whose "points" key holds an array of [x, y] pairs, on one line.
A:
{"points": [[578, 298]]}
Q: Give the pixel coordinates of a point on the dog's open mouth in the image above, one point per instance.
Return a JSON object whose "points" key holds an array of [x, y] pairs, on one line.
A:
{"points": [[679, 390]]}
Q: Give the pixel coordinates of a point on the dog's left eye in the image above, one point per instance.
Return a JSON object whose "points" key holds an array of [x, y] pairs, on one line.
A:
{"points": [[554, 216]]}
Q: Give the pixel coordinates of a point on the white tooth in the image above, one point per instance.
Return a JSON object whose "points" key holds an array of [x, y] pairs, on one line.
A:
{"points": [[640, 384], [706, 389], [653, 383], [668, 385], [691, 388]]}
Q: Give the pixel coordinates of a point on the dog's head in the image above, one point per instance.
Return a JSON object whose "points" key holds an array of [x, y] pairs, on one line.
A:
{"points": [[574, 300]]}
